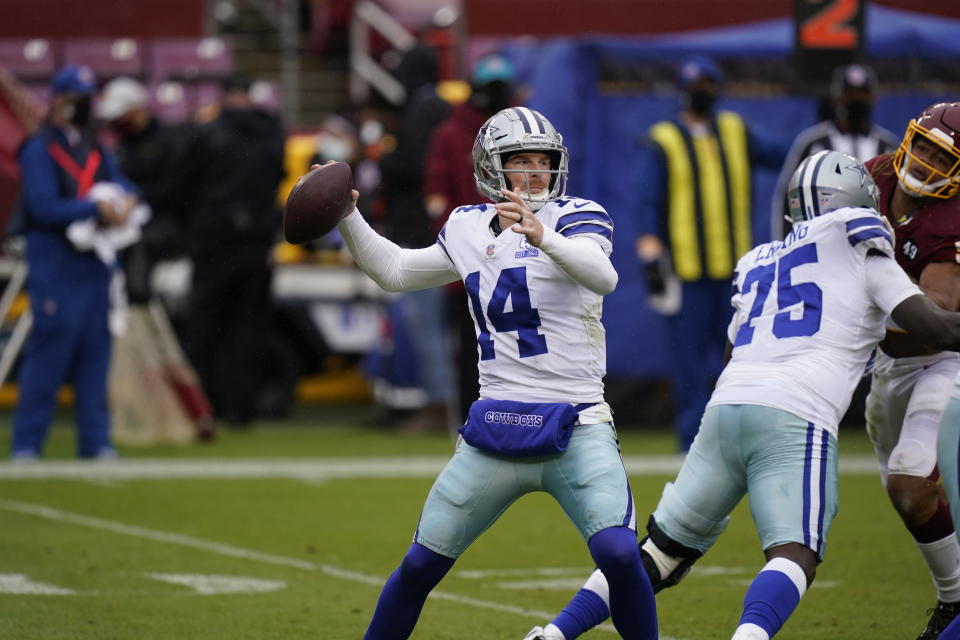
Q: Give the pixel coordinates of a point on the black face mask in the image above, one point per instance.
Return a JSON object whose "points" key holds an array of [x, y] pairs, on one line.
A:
{"points": [[492, 97], [701, 102], [857, 113], [80, 115]]}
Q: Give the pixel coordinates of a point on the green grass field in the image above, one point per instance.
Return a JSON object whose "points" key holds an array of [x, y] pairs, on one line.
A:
{"points": [[289, 529]]}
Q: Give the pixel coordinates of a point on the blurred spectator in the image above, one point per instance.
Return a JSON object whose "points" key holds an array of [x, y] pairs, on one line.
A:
{"points": [[150, 154], [69, 289], [233, 165], [847, 128], [448, 173], [337, 140], [407, 223], [449, 182], [406, 218], [694, 222], [372, 136]]}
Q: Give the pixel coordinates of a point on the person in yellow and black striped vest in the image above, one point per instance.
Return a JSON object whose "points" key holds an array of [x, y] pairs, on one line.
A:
{"points": [[694, 222]]}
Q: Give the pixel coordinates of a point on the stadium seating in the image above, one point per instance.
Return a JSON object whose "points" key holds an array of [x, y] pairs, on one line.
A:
{"points": [[32, 59], [181, 74], [182, 59], [108, 57], [190, 59]]}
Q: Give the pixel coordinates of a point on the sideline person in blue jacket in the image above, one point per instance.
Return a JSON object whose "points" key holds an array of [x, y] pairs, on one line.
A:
{"points": [[69, 289], [694, 219]]}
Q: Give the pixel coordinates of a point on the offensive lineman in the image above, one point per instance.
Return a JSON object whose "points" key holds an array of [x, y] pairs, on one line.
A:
{"points": [[807, 313], [912, 382], [536, 267]]}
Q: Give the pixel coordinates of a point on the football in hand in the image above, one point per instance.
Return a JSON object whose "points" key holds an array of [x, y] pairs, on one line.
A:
{"points": [[317, 202]]}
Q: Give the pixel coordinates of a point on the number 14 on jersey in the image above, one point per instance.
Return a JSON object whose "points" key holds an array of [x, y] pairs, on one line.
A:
{"points": [[523, 318]]}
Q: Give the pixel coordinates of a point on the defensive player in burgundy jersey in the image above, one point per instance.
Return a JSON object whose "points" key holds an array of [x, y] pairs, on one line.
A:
{"points": [[911, 382]]}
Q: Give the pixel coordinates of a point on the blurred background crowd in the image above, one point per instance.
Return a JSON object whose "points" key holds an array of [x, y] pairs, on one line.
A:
{"points": [[213, 108]]}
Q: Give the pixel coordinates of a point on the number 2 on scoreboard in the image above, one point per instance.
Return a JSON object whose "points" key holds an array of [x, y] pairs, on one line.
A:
{"points": [[829, 28]]}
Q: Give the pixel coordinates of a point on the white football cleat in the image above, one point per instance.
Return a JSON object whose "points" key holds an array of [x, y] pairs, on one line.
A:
{"points": [[535, 634]]}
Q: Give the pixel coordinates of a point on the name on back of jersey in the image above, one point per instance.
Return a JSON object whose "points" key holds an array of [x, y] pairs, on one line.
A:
{"points": [[767, 251]]}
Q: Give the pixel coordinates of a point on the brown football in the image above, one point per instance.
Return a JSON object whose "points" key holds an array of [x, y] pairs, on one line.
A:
{"points": [[317, 202]]}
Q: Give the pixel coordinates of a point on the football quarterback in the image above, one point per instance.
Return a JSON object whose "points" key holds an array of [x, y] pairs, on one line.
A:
{"points": [[535, 264]]}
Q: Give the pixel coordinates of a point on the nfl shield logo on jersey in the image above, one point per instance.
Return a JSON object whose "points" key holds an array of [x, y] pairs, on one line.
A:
{"points": [[490, 250], [526, 251]]}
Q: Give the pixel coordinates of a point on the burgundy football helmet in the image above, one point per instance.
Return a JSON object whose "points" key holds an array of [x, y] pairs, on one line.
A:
{"points": [[939, 127]]}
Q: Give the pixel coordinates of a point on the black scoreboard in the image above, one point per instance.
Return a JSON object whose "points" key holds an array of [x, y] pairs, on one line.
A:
{"points": [[827, 34]]}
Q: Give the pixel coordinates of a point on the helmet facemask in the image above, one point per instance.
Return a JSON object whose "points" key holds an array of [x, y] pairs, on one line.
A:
{"points": [[519, 130], [942, 182]]}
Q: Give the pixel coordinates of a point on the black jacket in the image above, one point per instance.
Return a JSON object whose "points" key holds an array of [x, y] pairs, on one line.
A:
{"points": [[235, 164], [153, 159]]}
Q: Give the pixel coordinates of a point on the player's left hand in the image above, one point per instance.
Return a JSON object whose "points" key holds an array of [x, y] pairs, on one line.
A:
{"points": [[516, 209]]}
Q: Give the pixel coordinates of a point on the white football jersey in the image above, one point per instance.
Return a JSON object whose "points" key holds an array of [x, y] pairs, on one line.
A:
{"points": [[538, 331], [807, 314]]}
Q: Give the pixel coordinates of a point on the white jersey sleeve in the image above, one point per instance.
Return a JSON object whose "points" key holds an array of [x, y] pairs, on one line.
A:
{"points": [[887, 283], [390, 266], [867, 232], [582, 258], [806, 317]]}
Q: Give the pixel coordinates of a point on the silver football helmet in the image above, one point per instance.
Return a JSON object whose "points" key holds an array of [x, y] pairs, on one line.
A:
{"points": [[829, 180], [514, 130]]}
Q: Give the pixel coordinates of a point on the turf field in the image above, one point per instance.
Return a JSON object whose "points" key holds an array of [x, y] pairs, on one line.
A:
{"points": [[289, 529]]}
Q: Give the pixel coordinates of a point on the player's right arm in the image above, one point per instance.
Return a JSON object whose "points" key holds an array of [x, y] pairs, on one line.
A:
{"points": [[940, 282], [391, 266], [915, 312], [892, 290], [923, 319]]}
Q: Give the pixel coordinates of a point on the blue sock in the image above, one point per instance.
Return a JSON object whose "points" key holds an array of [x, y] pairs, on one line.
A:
{"points": [[632, 607], [586, 610], [952, 632], [405, 592], [773, 595]]}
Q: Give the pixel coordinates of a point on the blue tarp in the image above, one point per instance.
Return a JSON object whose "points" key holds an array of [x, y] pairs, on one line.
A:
{"points": [[602, 130], [890, 33]]}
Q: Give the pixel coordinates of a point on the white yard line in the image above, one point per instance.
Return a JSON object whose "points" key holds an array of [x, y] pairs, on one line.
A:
{"points": [[57, 515], [309, 469], [21, 584]]}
